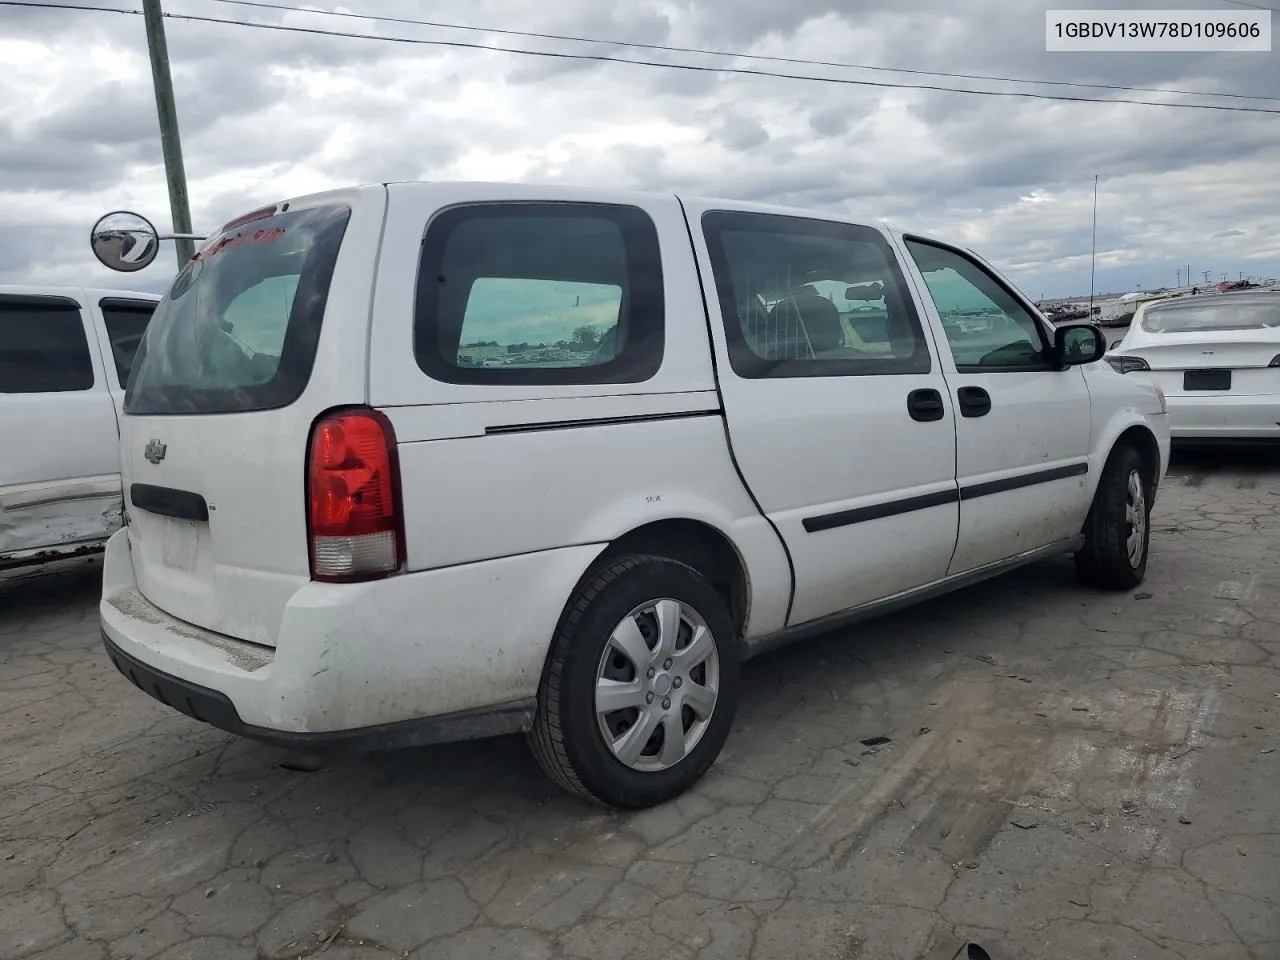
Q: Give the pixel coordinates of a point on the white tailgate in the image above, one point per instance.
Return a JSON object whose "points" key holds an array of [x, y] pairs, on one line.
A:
{"points": [[216, 501], [237, 550]]}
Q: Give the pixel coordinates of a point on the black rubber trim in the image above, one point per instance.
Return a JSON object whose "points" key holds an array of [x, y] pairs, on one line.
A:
{"points": [[596, 422], [126, 303], [1005, 484], [38, 300], [879, 511], [168, 502], [893, 508], [217, 710]]}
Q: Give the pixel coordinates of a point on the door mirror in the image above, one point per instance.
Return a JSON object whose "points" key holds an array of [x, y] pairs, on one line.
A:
{"points": [[1078, 344], [125, 241]]}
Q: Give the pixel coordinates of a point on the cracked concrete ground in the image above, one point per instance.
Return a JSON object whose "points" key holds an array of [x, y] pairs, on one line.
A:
{"points": [[1072, 776]]}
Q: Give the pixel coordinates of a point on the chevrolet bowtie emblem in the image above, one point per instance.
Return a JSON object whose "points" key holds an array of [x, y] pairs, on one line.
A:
{"points": [[155, 451]]}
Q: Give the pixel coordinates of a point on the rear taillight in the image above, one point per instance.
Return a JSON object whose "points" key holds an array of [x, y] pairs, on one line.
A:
{"points": [[353, 491], [1123, 364]]}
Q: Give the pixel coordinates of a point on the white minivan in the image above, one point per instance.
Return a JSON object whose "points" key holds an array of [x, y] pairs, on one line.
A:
{"points": [[65, 355], [418, 462]]}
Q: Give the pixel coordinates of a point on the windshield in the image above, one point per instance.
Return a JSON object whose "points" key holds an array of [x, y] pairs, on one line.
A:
{"points": [[1204, 316], [238, 329]]}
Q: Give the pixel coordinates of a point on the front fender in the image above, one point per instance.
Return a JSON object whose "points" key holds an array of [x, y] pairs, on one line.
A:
{"points": [[1116, 425]]}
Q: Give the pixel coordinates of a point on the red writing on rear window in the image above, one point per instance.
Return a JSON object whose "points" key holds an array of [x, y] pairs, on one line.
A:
{"points": [[270, 235]]}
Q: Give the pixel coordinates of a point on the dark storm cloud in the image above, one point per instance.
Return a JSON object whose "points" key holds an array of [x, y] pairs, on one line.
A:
{"points": [[740, 132], [1014, 146], [56, 163], [830, 122]]}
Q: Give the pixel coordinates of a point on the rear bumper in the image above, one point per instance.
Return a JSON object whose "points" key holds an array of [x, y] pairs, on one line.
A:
{"points": [[440, 655], [1224, 417], [216, 709]]}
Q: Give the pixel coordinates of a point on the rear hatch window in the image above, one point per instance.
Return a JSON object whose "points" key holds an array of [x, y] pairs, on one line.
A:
{"points": [[238, 329], [1205, 315]]}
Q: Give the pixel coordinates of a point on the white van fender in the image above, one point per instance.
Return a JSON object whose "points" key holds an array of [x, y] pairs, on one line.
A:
{"points": [[765, 568], [1143, 430]]}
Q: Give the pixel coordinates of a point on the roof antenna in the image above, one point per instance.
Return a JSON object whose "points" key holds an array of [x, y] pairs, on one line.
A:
{"points": [[1093, 256]]}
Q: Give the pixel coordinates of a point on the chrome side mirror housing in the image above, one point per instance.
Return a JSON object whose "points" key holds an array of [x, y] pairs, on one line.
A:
{"points": [[128, 242], [124, 241]]}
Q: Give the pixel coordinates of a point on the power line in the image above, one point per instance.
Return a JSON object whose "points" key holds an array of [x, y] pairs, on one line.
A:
{"points": [[738, 71], [702, 51], [688, 67], [1255, 6]]}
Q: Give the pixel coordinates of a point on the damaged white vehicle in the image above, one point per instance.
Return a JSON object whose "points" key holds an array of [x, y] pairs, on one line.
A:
{"points": [[65, 355]]}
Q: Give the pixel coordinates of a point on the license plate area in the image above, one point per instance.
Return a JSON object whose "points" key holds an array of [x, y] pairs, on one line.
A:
{"points": [[179, 544], [1206, 380]]}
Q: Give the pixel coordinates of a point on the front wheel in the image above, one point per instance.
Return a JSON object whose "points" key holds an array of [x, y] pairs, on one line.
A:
{"points": [[1118, 529], [641, 684]]}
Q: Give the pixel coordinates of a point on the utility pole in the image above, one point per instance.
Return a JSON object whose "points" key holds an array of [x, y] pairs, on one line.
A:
{"points": [[1093, 253], [169, 139]]}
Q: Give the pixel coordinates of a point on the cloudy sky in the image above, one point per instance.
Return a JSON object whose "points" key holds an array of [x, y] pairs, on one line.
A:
{"points": [[266, 114]]}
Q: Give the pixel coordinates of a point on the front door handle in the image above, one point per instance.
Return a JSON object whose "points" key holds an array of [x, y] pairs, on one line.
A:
{"points": [[925, 405], [974, 401]]}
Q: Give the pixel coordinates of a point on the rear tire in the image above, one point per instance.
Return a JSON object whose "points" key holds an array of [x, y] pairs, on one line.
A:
{"points": [[641, 684], [1118, 528]]}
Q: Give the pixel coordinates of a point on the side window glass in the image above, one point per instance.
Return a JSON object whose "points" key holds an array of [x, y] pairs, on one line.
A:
{"points": [[986, 327], [512, 322], [811, 298], [42, 346], [534, 293], [126, 322]]}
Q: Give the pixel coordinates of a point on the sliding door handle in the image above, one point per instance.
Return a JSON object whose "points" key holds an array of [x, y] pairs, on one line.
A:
{"points": [[925, 405]]}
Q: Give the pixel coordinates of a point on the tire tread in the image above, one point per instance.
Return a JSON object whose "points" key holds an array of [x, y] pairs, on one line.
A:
{"points": [[1103, 561], [546, 736]]}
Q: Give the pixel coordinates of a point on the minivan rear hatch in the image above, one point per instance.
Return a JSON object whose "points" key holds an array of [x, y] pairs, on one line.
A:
{"points": [[261, 332]]}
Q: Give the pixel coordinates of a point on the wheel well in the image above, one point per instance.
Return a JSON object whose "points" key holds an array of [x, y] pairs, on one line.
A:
{"points": [[702, 547], [1141, 440]]}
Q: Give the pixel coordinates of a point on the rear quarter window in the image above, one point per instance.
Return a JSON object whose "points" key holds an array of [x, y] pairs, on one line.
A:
{"points": [[43, 348], [1215, 313], [540, 293]]}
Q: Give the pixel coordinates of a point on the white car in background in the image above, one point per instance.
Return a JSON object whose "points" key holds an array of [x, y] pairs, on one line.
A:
{"points": [[65, 355], [1217, 359]]}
